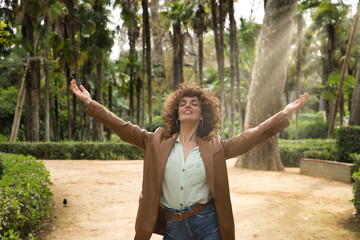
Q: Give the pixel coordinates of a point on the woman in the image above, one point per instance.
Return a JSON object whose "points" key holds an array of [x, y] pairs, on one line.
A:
{"points": [[185, 191]]}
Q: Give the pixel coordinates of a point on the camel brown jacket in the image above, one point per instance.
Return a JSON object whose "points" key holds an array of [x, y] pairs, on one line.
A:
{"points": [[214, 151]]}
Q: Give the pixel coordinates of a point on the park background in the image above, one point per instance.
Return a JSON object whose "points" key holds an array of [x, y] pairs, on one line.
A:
{"points": [[130, 63]]}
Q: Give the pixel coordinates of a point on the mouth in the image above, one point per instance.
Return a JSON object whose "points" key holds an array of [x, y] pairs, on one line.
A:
{"points": [[187, 112]]}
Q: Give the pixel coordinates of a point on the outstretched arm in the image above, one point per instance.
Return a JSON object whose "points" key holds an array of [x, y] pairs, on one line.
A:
{"points": [[296, 105], [81, 93]]}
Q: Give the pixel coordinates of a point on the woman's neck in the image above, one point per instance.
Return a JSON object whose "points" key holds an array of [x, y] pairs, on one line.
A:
{"points": [[188, 133]]}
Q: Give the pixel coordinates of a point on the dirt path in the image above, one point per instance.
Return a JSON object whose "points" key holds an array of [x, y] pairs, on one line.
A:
{"points": [[102, 201]]}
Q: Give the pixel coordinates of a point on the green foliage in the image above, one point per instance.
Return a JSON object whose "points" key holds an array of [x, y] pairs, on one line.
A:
{"points": [[356, 159], [8, 99], [356, 192], [356, 177], [292, 150], [309, 126], [348, 142], [25, 196], [74, 150]]}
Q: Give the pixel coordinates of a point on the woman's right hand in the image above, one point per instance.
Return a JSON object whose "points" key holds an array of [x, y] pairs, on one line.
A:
{"points": [[81, 93]]}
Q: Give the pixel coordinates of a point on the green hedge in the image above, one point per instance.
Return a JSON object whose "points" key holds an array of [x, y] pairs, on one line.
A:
{"points": [[356, 177], [292, 150], [348, 142], [24, 196], [74, 150]]}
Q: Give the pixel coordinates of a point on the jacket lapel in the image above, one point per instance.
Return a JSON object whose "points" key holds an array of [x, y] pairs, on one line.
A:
{"points": [[207, 156]]}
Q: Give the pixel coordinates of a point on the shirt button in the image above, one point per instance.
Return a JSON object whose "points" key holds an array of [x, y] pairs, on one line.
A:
{"points": [[181, 204], [181, 188], [183, 169]]}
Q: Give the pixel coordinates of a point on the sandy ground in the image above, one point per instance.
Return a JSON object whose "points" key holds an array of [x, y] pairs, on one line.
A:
{"points": [[102, 203]]}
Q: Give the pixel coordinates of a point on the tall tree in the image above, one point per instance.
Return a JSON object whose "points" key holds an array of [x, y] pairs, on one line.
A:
{"points": [[146, 29], [355, 102], [199, 25], [343, 72], [298, 67], [72, 28], [157, 33], [234, 70], [29, 20], [129, 15], [218, 16], [179, 14], [46, 72], [268, 79]]}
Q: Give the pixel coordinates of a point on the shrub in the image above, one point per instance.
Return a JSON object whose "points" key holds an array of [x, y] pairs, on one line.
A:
{"points": [[292, 150], [356, 159], [25, 196], [74, 150], [356, 191], [317, 128], [348, 142]]}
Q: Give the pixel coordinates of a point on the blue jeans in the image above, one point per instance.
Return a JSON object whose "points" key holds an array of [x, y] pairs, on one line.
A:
{"points": [[202, 226]]}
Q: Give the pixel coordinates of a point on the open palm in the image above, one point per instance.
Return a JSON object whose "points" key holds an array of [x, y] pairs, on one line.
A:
{"points": [[81, 92], [297, 104]]}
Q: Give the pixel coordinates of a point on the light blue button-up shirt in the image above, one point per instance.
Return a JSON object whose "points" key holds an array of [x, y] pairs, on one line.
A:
{"points": [[184, 182]]}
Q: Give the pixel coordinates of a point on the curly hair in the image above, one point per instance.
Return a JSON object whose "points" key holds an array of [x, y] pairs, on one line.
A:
{"points": [[209, 108]]}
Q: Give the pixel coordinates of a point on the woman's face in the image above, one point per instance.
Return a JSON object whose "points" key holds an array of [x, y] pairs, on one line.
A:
{"points": [[190, 109]]}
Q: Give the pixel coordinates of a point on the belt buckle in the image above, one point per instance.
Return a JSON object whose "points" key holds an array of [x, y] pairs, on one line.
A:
{"points": [[181, 216]]}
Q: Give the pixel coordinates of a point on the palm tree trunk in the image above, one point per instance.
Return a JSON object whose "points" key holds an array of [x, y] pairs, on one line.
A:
{"points": [[46, 73], [148, 57]]}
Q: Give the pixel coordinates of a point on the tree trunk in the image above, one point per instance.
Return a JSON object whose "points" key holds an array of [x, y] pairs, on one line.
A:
{"points": [[355, 101], [199, 33], [178, 54], [46, 73], [108, 130], [298, 68], [157, 34], [218, 27], [148, 57], [268, 79], [19, 105], [138, 99], [133, 34], [33, 101], [142, 123], [342, 77], [68, 79], [233, 63], [99, 97]]}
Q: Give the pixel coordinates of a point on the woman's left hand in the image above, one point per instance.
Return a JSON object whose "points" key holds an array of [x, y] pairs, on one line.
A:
{"points": [[296, 105]]}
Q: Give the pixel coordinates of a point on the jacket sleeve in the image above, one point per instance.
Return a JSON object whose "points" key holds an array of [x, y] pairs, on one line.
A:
{"points": [[243, 142], [127, 132]]}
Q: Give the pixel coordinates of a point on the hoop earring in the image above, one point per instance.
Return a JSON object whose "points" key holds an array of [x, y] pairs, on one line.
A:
{"points": [[201, 123], [177, 123]]}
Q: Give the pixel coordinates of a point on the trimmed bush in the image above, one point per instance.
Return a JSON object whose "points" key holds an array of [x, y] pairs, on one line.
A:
{"points": [[292, 150], [74, 150], [356, 191], [315, 129], [24, 196], [356, 177], [348, 142]]}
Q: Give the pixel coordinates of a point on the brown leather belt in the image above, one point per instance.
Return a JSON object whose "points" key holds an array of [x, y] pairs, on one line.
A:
{"points": [[179, 216]]}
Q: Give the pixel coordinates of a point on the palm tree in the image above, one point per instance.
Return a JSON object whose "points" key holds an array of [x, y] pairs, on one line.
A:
{"points": [[178, 14], [218, 16], [147, 37]]}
